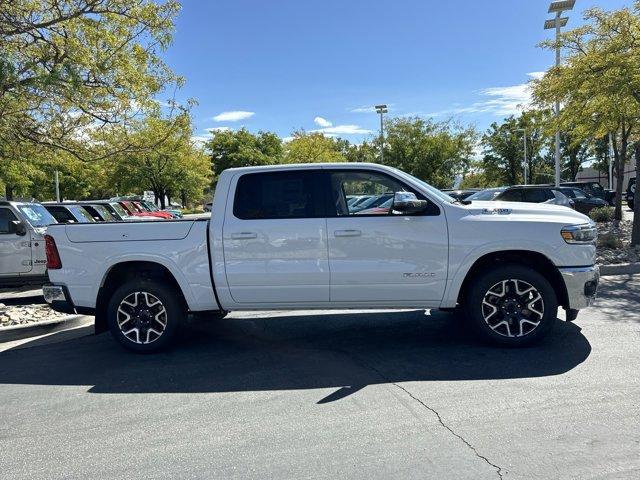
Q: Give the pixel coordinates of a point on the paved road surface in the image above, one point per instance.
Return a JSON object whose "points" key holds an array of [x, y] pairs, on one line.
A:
{"points": [[333, 395]]}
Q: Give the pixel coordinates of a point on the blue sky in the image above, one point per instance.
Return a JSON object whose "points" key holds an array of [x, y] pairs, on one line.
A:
{"points": [[280, 65]]}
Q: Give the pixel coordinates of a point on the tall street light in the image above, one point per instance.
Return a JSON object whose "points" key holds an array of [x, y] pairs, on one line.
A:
{"points": [[381, 109], [559, 21], [524, 163]]}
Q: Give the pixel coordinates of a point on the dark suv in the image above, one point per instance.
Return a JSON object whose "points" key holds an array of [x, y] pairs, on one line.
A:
{"points": [[631, 191], [534, 194], [594, 189]]}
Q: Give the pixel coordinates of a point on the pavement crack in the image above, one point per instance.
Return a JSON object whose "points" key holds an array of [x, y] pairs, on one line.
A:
{"points": [[451, 430], [499, 470]]}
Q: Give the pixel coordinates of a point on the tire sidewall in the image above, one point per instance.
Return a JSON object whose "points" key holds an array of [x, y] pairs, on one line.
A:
{"points": [[170, 301], [473, 304]]}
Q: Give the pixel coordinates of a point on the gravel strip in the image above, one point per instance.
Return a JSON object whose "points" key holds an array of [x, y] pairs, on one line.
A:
{"points": [[26, 314]]}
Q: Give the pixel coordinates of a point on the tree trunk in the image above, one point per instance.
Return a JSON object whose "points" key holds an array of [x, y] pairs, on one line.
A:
{"points": [[620, 157], [183, 198], [635, 231], [168, 193], [8, 192], [162, 197]]}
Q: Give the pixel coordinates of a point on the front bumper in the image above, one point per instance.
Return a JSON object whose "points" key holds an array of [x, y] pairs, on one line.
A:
{"points": [[581, 284], [58, 298]]}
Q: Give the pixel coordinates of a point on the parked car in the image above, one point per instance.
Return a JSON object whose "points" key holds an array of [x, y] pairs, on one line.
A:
{"points": [[277, 243], [534, 194], [68, 212], [372, 202], [461, 194], [208, 206], [582, 201], [22, 246], [100, 213], [594, 189], [152, 207], [135, 211], [486, 194], [156, 212], [631, 191]]}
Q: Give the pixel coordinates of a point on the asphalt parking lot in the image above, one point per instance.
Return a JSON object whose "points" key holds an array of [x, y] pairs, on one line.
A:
{"points": [[332, 395]]}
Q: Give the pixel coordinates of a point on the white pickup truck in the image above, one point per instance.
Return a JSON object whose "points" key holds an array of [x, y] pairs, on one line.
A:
{"points": [[284, 237]]}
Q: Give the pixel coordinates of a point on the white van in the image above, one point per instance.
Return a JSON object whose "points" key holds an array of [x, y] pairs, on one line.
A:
{"points": [[22, 248]]}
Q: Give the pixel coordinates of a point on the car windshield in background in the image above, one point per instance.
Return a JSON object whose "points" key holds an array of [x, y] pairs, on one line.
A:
{"points": [[80, 212], [37, 215], [106, 214], [486, 194], [119, 209]]}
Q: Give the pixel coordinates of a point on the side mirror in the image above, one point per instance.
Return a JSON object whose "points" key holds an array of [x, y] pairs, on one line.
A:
{"points": [[408, 203], [18, 228]]}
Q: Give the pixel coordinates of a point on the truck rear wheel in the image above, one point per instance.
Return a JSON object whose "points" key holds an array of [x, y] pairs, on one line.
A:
{"points": [[144, 315], [511, 305]]}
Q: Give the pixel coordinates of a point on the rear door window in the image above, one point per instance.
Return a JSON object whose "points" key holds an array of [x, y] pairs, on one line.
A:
{"points": [[511, 196], [278, 195], [6, 217], [537, 195]]}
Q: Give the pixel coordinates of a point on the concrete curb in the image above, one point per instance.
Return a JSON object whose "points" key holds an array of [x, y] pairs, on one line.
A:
{"points": [[17, 332], [619, 269]]}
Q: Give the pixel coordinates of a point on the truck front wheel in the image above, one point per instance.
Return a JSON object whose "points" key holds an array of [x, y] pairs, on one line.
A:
{"points": [[511, 305], [144, 315]]}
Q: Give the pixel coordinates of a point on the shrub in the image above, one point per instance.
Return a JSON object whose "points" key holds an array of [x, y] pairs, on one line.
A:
{"points": [[610, 240], [601, 214]]}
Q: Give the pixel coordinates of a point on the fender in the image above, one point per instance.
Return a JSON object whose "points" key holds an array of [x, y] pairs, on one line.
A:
{"points": [[455, 280]]}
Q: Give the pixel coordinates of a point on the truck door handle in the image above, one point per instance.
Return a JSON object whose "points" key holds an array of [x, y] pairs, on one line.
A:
{"points": [[244, 235], [347, 233]]}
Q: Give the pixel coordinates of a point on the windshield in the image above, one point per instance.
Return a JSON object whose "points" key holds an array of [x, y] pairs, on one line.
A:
{"points": [[119, 209], [104, 213], [150, 206], [486, 194], [432, 190], [80, 213], [37, 215]]}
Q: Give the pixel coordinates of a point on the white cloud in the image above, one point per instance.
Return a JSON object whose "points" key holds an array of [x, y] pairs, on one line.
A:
{"points": [[217, 129], [343, 130], [364, 109], [233, 116], [322, 122], [500, 101], [287, 139]]}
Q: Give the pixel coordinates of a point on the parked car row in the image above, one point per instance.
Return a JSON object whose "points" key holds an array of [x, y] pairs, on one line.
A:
{"points": [[23, 225], [564, 195]]}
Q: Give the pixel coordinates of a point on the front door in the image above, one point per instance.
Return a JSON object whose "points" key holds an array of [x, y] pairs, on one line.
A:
{"points": [[378, 255], [275, 239], [15, 250]]}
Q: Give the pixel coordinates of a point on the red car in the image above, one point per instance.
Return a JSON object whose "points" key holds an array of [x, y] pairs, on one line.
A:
{"points": [[156, 213], [136, 211]]}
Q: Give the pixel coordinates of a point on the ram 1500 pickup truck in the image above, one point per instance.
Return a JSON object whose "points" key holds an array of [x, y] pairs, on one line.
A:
{"points": [[284, 237]]}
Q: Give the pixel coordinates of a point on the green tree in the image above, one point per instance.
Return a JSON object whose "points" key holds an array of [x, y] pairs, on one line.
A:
{"points": [[432, 151], [72, 66], [241, 148], [313, 148], [599, 85]]}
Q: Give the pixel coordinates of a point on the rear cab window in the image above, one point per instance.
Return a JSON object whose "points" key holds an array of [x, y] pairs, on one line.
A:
{"points": [[279, 195]]}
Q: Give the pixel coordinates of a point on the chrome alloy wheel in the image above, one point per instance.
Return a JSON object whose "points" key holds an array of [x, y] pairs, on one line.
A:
{"points": [[513, 308], [141, 317]]}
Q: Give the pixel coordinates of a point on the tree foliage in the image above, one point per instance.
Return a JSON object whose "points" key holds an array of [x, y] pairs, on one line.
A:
{"points": [[432, 151], [314, 148], [241, 148]]}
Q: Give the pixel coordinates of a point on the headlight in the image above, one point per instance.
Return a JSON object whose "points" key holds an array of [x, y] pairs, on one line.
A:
{"points": [[580, 234]]}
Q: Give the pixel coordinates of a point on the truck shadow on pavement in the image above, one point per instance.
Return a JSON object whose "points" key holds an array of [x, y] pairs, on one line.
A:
{"points": [[289, 351]]}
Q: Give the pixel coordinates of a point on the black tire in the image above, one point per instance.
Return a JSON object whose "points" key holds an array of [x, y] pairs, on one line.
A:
{"points": [[141, 292], [518, 320]]}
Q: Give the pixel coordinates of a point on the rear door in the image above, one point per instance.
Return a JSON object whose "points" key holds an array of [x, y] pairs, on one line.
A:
{"points": [[380, 255], [15, 250], [275, 238]]}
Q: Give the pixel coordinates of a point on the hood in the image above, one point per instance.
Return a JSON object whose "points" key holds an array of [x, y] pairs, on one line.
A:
{"points": [[542, 211]]}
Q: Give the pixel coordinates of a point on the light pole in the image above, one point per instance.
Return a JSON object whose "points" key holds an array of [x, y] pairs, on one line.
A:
{"points": [[381, 109], [524, 164], [558, 7]]}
